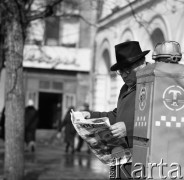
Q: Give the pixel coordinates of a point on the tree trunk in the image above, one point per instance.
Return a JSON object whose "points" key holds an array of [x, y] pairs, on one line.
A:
{"points": [[14, 97]]}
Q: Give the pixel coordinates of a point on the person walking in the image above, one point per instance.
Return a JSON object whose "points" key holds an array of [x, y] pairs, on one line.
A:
{"points": [[130, 58], [31, 122], [81, 140], [69, 132]]}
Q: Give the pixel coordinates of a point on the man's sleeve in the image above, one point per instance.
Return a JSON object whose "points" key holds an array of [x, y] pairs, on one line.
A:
{"points": [[111, 115]]}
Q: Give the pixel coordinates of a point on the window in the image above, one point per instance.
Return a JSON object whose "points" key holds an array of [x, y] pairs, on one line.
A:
{"points": [[63, 29], [44, 85], [52, 31], [157, 37], [70, 32]]}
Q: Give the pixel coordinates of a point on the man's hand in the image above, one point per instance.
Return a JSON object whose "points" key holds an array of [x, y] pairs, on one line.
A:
{"points": [[86, 114], [118, 129]]}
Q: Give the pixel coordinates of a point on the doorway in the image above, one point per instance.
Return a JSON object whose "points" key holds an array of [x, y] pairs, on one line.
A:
{"points": [[50, 110]]}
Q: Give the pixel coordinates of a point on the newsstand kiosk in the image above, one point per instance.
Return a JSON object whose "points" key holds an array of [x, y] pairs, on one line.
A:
{"points": [[158, 151]]}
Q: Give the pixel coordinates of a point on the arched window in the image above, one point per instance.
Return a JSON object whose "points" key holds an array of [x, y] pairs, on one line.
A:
{"points": [[157, 37], [106, 57], [102, 82]]}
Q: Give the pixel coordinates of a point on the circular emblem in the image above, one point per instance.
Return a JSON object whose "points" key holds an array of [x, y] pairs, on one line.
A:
{"points": [[173, 98], [142, 98]]}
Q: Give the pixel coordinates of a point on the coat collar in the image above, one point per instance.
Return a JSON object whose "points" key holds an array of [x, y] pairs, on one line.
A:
{"points": [[125, 91]]}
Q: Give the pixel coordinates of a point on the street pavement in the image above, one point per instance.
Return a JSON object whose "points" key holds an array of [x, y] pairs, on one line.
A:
{"points": [[50, 162]]}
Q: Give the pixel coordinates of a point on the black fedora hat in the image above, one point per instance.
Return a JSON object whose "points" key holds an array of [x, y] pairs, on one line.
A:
{"points": [[127, 53]]}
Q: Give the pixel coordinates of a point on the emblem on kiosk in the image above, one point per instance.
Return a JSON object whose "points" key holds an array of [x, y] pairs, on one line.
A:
{"points": [[142, 98], [173, 98]]}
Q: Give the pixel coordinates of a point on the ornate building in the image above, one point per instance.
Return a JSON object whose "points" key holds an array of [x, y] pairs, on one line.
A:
{"points": [[146, 21], [57, 59]]}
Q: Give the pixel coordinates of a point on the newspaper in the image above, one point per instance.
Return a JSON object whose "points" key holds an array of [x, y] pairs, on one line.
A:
{"points": [[96, 132]]}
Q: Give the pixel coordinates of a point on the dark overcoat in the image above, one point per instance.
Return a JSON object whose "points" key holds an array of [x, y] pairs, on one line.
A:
{"points": [[31, 122], [69, 129], [123, 113]]}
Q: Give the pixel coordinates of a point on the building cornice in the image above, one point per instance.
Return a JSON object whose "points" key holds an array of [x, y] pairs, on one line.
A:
{"points": [[124, 12]]}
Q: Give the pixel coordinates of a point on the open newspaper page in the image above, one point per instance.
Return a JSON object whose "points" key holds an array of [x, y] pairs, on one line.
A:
{"points": [[96, 132]]}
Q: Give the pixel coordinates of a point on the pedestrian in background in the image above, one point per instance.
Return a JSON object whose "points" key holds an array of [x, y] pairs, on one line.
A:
{"points": [[31, 122], [57, 115], [81, 140], [69, 132]]}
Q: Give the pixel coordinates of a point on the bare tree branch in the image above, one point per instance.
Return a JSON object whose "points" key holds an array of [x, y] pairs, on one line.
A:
{"points": [[21, 10], [66, 15], [45, 13], [28, 5], [5, 7], [136, 18], [85, 20]]}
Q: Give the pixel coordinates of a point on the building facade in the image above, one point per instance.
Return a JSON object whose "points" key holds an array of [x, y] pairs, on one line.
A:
{"points": [[146, 21], [57, 60], [56, 78]]}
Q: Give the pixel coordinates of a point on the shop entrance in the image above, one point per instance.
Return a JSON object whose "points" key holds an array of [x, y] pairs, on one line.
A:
{"points": [[50, 110]]}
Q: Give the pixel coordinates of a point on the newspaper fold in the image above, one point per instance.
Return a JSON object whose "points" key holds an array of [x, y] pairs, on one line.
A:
{"points": [[96, 132]]}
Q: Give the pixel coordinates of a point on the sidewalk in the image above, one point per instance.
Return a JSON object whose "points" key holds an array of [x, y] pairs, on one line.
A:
{"points": [[50, 162]]}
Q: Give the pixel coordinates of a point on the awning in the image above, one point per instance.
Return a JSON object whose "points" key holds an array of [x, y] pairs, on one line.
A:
{"points": [[55, 57]]}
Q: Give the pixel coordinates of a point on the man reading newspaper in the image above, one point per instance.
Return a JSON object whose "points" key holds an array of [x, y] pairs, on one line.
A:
{"points": [[130, 58]]}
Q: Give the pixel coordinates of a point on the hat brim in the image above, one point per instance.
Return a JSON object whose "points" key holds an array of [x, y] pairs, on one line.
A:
{"points": [[118, 66]]}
